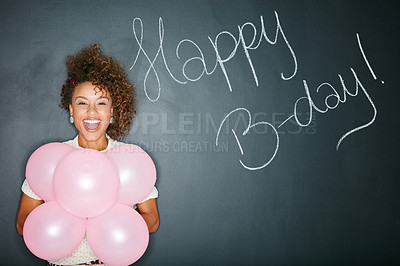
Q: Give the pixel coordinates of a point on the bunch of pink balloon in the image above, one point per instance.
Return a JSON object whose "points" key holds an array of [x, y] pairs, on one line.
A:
{"points": [[87, 191]]}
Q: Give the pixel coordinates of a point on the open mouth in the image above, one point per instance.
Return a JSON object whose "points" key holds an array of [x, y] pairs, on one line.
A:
{"points": [[91, 124]]}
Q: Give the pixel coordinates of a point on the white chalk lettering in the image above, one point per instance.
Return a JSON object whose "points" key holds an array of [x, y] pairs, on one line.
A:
{"points": [[253, 41], [219, 61]]}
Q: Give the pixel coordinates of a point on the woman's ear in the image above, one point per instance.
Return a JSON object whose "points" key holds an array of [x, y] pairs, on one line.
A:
{"points": [[71, 110]]}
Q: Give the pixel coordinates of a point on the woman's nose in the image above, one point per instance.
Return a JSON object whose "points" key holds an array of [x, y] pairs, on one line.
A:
{"points": [[92, 109]]}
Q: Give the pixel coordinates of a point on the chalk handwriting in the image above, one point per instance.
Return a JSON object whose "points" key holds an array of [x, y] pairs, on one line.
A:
{"points": [[312, 107], [245, 132], [366, 60], [240, 40], [160, 50], [336, 97], [331, 101]]}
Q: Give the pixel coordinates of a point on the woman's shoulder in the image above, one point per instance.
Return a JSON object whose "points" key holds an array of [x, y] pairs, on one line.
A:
{"points": [[69, 142], [73, 142], [113, 143]]}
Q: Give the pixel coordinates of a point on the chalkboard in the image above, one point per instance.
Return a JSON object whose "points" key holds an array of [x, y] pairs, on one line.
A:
{"points": [[273, 124]]}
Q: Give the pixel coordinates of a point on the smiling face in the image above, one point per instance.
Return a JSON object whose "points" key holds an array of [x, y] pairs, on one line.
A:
{"points": [[91, 109]]}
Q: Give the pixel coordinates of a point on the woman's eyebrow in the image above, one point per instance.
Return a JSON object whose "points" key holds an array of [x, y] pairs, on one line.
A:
{"points": [[77, 97], [103, 97], [83, 97]]}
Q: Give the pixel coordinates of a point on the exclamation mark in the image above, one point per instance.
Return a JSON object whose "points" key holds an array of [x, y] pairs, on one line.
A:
{"points": [[365, 59]]}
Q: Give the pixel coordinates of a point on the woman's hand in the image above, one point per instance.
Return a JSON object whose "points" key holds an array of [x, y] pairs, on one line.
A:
{"points": [[26, 206], [149, 212]]}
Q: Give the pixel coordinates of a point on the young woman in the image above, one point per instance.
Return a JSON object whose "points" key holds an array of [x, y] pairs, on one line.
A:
{"points": [[100, 102]]}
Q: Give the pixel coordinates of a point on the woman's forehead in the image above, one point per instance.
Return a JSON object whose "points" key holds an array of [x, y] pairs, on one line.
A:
{"points": [[87, 89]]}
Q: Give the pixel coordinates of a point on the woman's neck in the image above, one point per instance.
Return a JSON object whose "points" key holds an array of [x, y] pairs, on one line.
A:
{"points": [[99, 144]]}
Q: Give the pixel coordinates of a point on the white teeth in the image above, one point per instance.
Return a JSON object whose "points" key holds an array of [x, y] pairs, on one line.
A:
{"points": [[92, 121]]}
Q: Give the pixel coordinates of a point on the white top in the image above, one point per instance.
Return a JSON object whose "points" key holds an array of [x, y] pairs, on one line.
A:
{"points": [[83, 253]]}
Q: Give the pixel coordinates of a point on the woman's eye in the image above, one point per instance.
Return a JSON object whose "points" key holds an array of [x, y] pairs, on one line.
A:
{"points": [[102, 103], [81, 103]]}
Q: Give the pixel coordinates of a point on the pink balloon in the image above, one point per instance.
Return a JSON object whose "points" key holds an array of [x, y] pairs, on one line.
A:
{"points": [[137, 172], [118, 237], [41, 165], [86, 183], [51, 233]]}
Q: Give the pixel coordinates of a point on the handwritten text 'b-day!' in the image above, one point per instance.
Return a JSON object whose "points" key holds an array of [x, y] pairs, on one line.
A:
{"points": [[331, 102]]}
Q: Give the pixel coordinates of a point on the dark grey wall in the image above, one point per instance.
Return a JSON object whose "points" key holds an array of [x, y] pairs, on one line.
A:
{"points": [[312, 204]]}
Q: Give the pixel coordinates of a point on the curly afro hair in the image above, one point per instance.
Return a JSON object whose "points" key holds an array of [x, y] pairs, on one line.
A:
{"points": [[90, 64]]}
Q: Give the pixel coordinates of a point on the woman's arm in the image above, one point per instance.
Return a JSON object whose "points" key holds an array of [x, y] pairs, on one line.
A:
{"points": [[26, 205], [149, 212]]}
